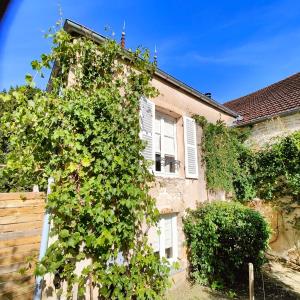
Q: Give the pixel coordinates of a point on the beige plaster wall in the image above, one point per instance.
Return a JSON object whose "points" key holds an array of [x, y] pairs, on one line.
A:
{"points": [[267, 131], [176, 194], [173, 99]]}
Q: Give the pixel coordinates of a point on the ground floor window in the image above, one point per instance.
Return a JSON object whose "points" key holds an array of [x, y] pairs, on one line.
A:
{"points": [[164, 237]]}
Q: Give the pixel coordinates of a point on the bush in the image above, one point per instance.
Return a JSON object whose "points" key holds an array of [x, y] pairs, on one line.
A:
{"points": [[222, 238]]}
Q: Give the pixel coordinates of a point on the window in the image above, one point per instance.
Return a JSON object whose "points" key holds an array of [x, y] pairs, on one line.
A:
{"points": [[164, 238], [165, 144]]}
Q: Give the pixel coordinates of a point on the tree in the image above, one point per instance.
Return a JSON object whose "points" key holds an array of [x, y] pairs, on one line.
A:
{"points": [[86, 136]]}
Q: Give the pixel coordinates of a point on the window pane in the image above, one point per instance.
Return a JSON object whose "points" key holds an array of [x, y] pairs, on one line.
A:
{"points": [[169, 145], [168, 232], [157, 124], [169, 127], [164, 143], [170, 164], [169, 252], [157, 162]]}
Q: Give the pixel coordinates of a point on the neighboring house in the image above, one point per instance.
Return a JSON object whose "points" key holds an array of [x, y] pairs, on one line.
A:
{"points": [[271, 111], [173, 140]]}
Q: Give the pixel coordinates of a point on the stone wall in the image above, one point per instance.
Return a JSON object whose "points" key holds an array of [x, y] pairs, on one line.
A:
{"points": [[269, 130], [173, 197], [285, 238], [285, 241]]}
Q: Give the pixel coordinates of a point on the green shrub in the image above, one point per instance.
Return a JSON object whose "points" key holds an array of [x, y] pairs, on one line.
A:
{"points": [[222, 238]]}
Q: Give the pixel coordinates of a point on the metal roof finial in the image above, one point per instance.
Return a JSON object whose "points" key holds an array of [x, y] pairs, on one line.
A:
{"points": [[155, 55], [123, 36]]}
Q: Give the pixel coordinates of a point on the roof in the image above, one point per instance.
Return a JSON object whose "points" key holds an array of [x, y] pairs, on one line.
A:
{"points": [[280, 98], [75, 28]]}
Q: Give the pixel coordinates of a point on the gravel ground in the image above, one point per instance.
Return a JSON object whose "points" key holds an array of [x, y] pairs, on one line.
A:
{"points": [[195, 292], [277, 283]]}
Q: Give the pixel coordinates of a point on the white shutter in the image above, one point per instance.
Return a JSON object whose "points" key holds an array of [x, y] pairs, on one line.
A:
{"points": [[168, 232], [147, 117], [153, 238], [175, 237], [190, 143]]}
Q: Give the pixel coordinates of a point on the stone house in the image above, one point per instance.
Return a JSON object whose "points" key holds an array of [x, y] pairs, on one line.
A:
{"points": [[271, 111], [173, 146]]}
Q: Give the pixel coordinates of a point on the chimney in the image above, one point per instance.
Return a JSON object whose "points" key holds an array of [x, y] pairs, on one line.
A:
{"points": [[123, 37], [208, 95]]}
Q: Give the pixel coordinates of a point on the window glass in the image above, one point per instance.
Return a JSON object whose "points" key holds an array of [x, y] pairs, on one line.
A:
{"points": [[169, 127], [165, 143], [169, 145], [170, 164], [158, 162]]}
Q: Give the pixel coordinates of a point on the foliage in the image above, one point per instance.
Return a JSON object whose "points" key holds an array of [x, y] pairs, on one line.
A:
{"points": [[277, 172], [8, 104], [85, 134], [227, 160], [270, 173], [223, 237], [244, 180]]}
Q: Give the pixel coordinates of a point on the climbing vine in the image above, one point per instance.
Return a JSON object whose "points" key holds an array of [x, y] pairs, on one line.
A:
{"points": [[84, 132], [270, 172], [277, 176], [278, 169], [226, 159]]}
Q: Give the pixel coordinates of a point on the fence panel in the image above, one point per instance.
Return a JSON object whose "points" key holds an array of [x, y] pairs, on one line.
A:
{"points": [[21, 221]]}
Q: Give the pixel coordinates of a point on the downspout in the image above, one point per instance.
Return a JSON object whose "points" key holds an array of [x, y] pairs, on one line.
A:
{"points": [[44, 245]]}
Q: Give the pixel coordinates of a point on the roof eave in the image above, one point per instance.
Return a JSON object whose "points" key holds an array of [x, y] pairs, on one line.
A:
{"points": [[268, 117], [179, 84]]}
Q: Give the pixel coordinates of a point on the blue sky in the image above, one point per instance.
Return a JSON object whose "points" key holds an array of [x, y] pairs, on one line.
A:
{"points": [[228, 48]]}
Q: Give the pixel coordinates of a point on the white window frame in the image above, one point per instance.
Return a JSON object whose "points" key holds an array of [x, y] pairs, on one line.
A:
{"points": [[161, 238], [162, 143]]}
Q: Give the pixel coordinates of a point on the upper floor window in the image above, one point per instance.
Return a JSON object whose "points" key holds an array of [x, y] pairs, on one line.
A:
{"points": [[165, 144], [158, 131]]}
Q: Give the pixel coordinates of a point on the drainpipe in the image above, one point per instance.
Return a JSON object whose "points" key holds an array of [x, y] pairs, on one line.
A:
{"points": [[44, 245]]}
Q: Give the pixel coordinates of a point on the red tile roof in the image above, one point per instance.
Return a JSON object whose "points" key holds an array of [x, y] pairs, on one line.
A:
{"points": [[273, 100]]}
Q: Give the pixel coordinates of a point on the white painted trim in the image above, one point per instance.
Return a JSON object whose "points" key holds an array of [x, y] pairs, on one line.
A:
{"points": [[166, 175]]}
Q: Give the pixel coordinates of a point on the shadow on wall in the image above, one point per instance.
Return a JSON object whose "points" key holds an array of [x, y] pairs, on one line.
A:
{"points": [[285, 239]]}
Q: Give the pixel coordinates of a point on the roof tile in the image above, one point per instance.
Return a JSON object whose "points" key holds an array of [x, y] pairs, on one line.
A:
{"points": [[270, 101]]}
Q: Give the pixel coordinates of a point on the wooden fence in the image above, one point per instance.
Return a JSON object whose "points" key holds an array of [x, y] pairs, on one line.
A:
{"points": [[21, 220]]}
